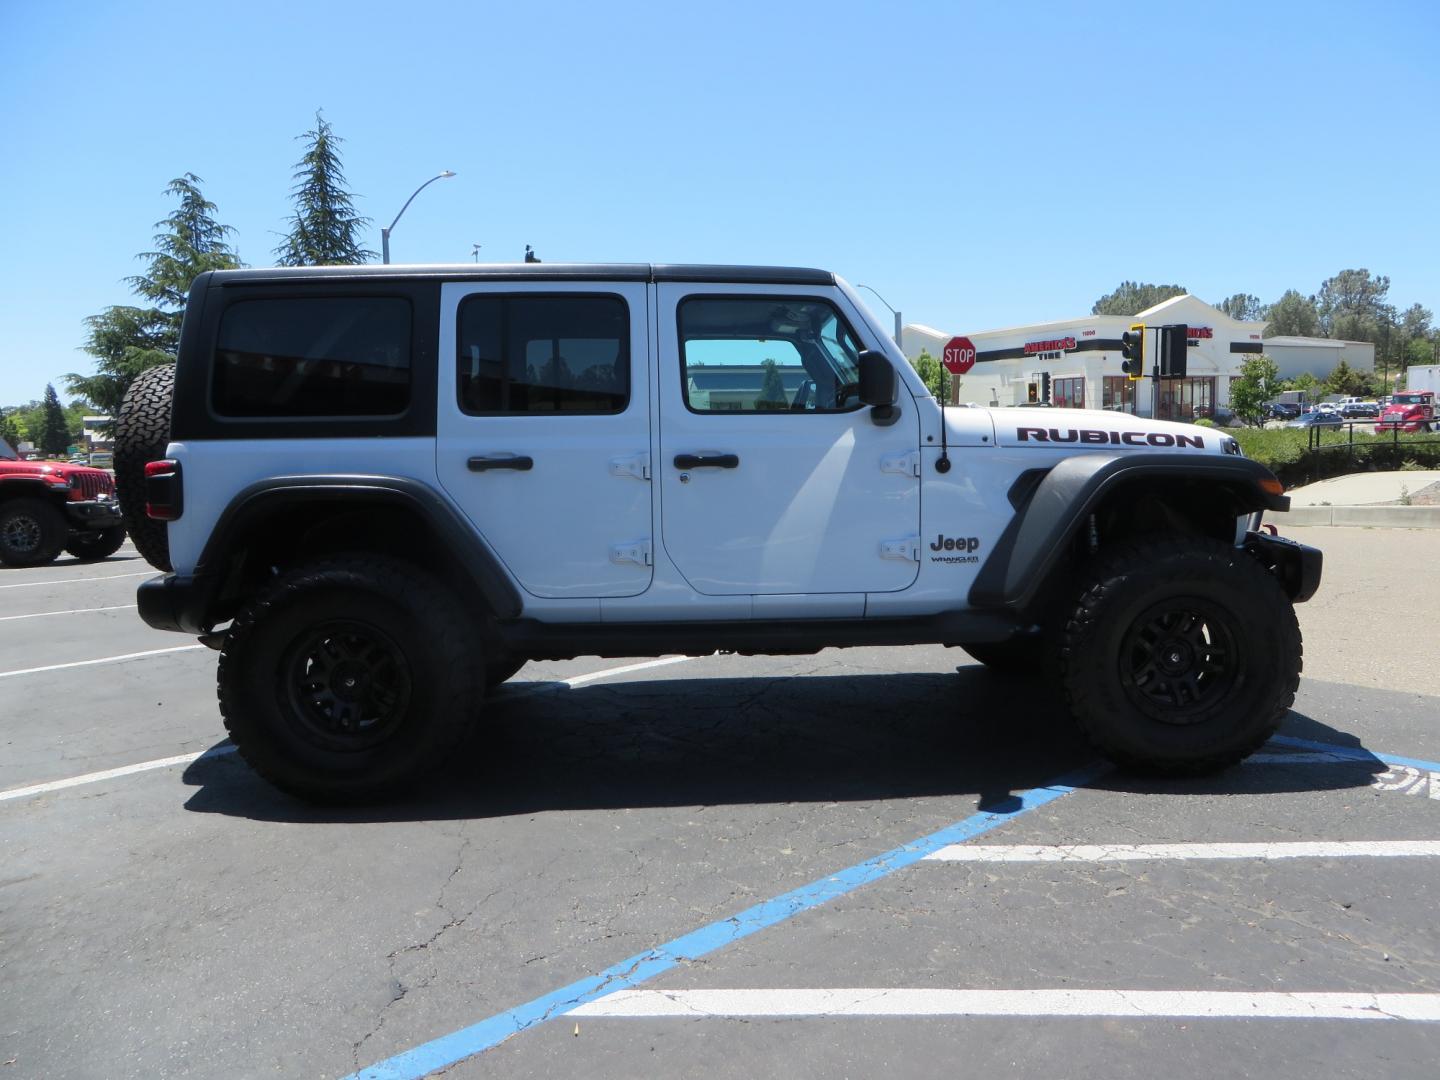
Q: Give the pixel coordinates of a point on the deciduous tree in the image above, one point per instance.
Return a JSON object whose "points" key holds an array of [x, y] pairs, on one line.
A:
{"points": [[1292, 315], [1133, 297], [324, 229], [930, 372], [1259, 381]]}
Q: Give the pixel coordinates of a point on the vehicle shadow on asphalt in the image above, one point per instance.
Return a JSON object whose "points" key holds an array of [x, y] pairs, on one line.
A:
{"points": [[813, 738]]}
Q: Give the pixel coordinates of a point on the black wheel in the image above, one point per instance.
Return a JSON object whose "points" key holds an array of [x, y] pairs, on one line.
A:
{"points": [[96, 543], [32, 532], [501, 670], [1018, 656], [1181, 655], [348, 679], [142, 432]]}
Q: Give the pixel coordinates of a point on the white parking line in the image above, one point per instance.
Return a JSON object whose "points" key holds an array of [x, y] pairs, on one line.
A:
{"points": [[110, 774], [101, 660], [71, 611], [185, 759], [877, 1001], [1093, 853], [78, 580]]}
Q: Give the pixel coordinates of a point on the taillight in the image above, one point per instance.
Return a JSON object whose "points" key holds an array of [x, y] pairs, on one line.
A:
{"points": [[164, 496]]}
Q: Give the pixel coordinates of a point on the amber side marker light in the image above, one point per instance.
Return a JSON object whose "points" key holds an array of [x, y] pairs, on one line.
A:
{"points": [[1272, 486]]}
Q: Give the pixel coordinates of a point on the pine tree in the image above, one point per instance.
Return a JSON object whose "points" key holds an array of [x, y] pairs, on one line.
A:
{"points": [[324, 230], [125, 340], [54, 436]]}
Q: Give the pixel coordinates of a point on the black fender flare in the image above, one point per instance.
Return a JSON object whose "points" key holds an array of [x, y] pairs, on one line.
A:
{"points": [[187, 602], [1051, 507]]}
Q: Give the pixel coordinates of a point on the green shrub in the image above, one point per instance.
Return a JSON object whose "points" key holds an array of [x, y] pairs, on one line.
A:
{"points": [[1285, 452], [1204, 421]]}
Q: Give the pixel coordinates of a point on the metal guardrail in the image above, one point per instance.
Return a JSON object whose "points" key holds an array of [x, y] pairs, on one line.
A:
{"points": [[1389, 449]]}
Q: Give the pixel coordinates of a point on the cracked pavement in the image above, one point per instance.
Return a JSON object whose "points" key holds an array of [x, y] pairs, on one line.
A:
{"points": [[192, 922]]}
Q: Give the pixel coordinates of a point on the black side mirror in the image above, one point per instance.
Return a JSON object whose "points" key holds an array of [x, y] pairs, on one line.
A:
{"points": [[879, 385]]}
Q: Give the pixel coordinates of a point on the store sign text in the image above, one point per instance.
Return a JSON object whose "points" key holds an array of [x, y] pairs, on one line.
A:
{"points": [[1053, 345]]}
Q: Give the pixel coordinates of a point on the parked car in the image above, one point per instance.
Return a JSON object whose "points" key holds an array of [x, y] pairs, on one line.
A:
{"points": [[1360, 410], [1317, 419], [1284, 410]]}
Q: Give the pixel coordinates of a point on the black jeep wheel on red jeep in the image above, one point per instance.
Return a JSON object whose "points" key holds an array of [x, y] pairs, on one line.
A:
{"points": [[142, 432], [32, 532], [96, 543], [1181, 655]]}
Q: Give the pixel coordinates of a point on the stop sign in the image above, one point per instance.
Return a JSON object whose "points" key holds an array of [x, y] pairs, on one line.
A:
{"points": [[959, 355]]}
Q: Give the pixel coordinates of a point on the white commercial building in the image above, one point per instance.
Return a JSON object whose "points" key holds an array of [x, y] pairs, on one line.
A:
{"points": [[1082, 358]]}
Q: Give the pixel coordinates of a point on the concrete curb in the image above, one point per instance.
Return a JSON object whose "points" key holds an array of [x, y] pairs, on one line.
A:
{"points": [[1365, 517]]}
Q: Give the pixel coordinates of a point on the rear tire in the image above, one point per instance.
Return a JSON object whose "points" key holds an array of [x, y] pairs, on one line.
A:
{"points": [[349, 679], [142, 433], [96, 544], [1181, 655], [32, 532]]}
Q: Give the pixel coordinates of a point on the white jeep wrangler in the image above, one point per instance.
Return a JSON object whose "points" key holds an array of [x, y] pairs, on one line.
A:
{"points": [[390, 487]]}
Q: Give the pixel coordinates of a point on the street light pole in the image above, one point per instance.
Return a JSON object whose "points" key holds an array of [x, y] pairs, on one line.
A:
{"points": [[892, 312], [385, 233]]}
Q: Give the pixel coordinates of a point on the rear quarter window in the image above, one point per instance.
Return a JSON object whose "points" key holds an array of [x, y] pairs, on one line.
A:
{"points": [[313, 357]]}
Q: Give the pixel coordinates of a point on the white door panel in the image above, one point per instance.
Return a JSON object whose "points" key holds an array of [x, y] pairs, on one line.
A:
{"points": [[811, 498], [577, 522]]}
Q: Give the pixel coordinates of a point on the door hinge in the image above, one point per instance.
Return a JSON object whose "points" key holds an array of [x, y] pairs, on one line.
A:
{"points": [[636, 551], [906, 549], [903, 464], [637, 466]]}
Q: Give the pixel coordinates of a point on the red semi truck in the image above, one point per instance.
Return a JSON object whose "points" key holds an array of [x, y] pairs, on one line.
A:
{"points": [[1409, 411]]}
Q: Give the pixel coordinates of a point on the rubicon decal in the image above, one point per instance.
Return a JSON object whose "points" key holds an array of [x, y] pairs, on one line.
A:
{"points": [[963, 548], [1108, 438]]}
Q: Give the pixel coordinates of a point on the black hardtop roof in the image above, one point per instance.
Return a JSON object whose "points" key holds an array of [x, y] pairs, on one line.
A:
{"points": [[647, 272]]}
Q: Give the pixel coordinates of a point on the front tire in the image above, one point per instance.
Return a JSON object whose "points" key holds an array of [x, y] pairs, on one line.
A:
{"points": [[349, 679], [96, 544], [32, 532], [1181, 655]]}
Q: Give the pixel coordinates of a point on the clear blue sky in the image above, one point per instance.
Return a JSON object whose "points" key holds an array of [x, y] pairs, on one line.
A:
{"points": [[980, 164]]}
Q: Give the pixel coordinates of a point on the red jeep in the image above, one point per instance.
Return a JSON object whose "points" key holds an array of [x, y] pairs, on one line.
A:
{"points": [[47, 507], [1409, 411]]}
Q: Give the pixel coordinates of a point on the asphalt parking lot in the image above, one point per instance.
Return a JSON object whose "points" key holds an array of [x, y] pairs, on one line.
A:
{"points": [[866, 862]]}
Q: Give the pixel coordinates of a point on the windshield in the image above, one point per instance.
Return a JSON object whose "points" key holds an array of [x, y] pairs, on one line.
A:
{"points": [[7, 452], [1408, 399]]}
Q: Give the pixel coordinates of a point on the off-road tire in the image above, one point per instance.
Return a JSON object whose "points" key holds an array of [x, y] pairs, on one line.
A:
{"points": [[1132, 651], [95, 544], [142, 432], [501, 670], [32, 532], [415, 644]]}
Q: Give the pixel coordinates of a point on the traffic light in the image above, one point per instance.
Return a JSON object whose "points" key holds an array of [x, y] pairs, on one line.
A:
{"points": [[1045, 387], [1034, 393], [1132, 348], [1174, 341]]}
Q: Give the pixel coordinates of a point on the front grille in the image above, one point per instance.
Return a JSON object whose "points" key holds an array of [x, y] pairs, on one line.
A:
{"points": [[92, 484]]}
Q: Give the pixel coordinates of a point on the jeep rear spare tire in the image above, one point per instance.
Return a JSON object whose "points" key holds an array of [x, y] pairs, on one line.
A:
{"points": [[142, 433], [1181, 655], [349, 678]]}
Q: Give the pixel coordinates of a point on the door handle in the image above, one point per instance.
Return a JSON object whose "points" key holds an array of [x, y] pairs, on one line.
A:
{"points": [[521, 463], [707, 461]]}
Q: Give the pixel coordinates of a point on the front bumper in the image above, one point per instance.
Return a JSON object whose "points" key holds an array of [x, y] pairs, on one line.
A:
{"points": [[93, 515], [1298, 566]]}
